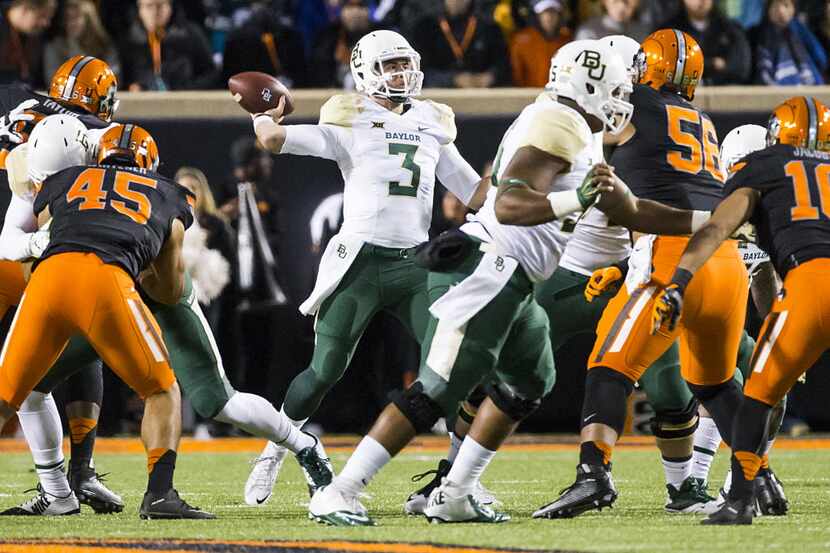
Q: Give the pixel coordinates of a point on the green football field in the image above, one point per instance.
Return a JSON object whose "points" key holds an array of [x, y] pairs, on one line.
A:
{"points": [[523, 478]]}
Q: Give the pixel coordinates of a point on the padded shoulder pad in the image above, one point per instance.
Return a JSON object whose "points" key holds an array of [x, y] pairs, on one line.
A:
{"points": [[559, 132], [17, 167], [445, 117], [341, 110]]}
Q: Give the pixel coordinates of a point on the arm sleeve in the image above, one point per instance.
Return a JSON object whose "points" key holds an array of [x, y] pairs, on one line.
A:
{"points": [[325, 141], [456, 174], [19, 224]]}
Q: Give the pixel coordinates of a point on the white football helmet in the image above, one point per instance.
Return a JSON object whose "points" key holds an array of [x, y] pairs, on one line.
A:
{"points": [[740, 142], [56, 143], [369, 76], [596, 78], [627, 48]]}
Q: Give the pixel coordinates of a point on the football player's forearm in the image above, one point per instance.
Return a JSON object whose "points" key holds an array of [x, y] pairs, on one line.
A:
{"points": [[522, 206], [269, 133], [765, 286], [656, 218]]}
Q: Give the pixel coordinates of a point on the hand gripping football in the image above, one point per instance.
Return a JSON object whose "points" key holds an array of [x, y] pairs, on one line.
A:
{"points": [[258, 92]]}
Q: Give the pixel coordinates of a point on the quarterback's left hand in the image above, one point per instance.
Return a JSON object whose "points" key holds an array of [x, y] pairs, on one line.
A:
{"points": [[667, 308]]}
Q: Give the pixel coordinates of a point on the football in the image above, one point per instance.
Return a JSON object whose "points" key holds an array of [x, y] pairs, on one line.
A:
{"points": [[258, 92]]}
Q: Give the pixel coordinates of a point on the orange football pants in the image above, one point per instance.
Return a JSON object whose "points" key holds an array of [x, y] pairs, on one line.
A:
{"points": [[77, 293], [710, 326], [12, 284], [795, 333]]}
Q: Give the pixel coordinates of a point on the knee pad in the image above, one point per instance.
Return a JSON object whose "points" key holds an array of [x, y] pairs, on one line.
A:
{"points": [[511, 403], [467, 409], [673, 425], [707, 392], [421, 410], [606, 392], [87, 384]]}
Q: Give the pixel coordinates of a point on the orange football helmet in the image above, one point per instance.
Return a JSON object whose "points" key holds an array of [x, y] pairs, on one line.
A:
{"points": [[672, 60], [800, 121], [128, 144], [88, 83]]}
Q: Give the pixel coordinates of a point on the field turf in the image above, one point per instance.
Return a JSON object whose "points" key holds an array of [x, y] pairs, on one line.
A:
{"points": [[523, 477]]}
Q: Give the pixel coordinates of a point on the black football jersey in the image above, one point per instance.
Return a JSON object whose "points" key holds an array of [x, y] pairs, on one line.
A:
{"points": [[793, 218], [673, 157], [12, 96], [121, 214]]}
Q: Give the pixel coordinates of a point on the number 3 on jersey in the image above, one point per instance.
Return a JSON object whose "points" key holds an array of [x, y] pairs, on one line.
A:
{"points": [[89, 187], [701, 141], [411, 189]]}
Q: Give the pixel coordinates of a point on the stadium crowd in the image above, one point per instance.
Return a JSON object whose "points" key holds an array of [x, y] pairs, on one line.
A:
{"points": [[197, 44]]}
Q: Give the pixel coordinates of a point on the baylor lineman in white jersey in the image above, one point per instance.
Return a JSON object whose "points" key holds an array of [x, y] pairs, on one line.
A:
{"points": [[390, 149], [485, 324]]}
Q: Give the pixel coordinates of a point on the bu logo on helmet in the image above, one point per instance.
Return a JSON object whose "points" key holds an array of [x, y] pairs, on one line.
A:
{"points": [[592, 61]]}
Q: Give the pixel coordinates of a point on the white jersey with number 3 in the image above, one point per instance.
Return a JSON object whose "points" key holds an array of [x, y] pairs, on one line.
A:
{"points": [[389, 163], [560, 131]]}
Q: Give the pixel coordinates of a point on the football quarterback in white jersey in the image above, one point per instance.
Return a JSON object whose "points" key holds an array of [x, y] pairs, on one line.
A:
{"points": [[390, 148], [484, 323]]}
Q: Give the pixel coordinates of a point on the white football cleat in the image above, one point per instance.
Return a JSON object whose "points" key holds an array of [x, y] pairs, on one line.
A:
{"points": [[330, 505], [261, 481], [451, 503], [45, 504]]}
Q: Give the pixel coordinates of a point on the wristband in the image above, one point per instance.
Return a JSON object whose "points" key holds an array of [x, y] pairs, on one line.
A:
{"points": [[681, 278], [564, 203], [699, 219]]}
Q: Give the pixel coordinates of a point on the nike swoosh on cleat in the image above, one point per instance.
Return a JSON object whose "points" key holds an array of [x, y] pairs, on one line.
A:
{"points": [[157, 501], [263, 500], [731, 510]]}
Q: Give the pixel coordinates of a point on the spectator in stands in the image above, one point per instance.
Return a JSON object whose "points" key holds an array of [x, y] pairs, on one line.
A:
{"points": [[209, 245], [21, 49], [263, 44], [619, 19], [533, 46], [333, 49], [787, 53], [461, 49], [163, 52], [726, 51], [80, 33]]}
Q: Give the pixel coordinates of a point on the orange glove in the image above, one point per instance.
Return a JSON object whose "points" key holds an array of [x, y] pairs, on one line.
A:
{"points": [[600, 280]]}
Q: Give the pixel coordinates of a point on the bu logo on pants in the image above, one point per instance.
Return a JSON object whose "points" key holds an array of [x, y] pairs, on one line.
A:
{"points": [[341, 251], [500, 264]]}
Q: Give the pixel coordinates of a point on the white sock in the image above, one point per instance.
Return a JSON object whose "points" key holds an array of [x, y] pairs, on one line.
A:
{"points": [[707, 442], [42, 428], [366, 461], [468, 467], [677, 471], [727, 483], [256, 415], [299, 423], [455, 445]]}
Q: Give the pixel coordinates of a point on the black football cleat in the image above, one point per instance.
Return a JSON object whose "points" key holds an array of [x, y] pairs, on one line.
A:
{"points": [[593, 489], [769, 494], [169, 506], [733, 512], [90, 489]]}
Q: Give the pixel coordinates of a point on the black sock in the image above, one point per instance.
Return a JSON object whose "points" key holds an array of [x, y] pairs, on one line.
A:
{"points": [[591, 454], [161, 473], [81, 450]]}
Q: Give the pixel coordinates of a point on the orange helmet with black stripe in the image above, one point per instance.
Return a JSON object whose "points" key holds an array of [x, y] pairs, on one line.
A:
{"points": [[128, 145], [800, 121], [672, 60], [88, 83]]}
